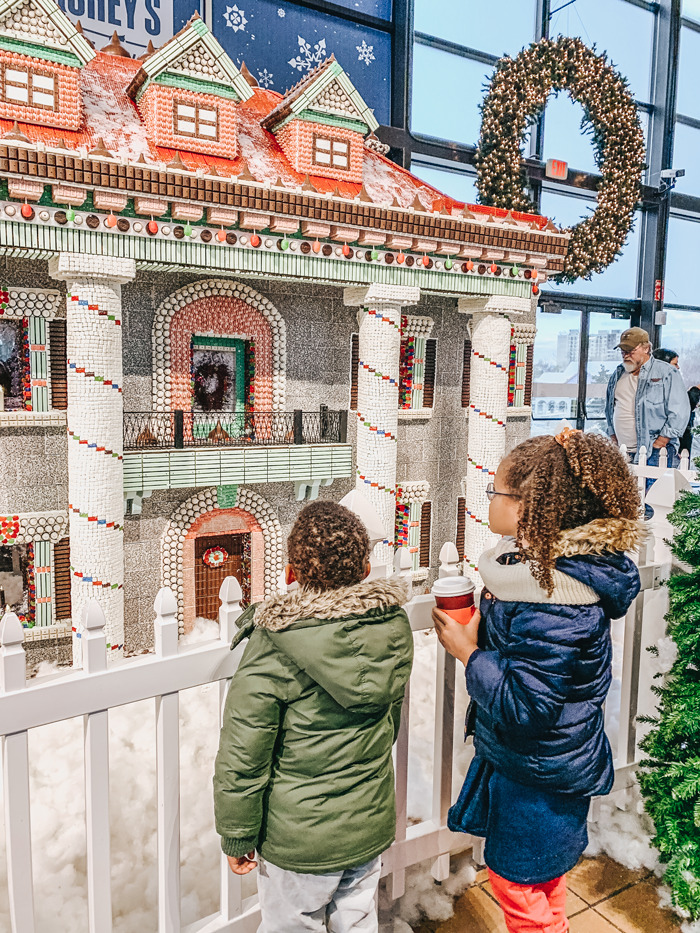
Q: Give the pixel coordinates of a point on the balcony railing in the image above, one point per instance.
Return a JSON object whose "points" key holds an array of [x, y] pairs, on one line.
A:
{"points": [[179, 429]]}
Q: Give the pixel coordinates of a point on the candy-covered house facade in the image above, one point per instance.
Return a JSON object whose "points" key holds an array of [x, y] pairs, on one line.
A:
{"points": [[218, 302]]}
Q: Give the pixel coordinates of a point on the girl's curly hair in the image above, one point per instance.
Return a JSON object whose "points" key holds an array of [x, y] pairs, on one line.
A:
{"points": [[562, 483]]}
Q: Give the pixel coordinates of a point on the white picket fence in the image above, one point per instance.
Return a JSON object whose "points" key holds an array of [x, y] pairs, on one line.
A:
{"points": [[94, 690]]}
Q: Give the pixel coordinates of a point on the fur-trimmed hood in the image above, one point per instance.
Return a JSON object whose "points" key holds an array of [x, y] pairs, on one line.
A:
{"points": [[354, 642], [601, 535], [592, 567], [279, 612]]}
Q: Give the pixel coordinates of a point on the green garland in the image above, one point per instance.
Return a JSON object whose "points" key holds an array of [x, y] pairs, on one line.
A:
{"points": [[517, 96], [670, 779]]}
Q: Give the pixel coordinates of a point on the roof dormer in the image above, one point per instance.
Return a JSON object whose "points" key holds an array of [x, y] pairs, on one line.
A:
{"points": [[41, 54], [321, 124], [187, 93]]}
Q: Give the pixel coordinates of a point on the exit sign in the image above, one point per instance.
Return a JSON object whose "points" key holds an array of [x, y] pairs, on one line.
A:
{"points": [[557, 169]]}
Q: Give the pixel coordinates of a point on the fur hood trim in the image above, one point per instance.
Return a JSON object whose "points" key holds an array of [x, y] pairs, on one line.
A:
{"points": [[280, 612], [602, 534]]}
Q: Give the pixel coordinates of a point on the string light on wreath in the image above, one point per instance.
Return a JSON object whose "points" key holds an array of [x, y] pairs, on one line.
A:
{"points": [[518, 94]]}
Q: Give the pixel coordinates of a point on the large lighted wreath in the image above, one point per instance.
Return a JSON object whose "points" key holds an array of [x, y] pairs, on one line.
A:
{"points": [[516, 97], [215, 556]]}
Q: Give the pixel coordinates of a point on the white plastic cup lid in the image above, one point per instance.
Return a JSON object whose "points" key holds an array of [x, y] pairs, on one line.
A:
{"points": [[452, 586]]}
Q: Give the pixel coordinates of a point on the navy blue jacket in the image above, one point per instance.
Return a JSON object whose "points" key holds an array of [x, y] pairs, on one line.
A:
{"points": [[540, 682]]}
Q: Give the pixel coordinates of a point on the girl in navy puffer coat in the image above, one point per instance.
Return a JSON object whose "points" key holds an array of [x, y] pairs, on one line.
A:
{"points": [[537, 661]]}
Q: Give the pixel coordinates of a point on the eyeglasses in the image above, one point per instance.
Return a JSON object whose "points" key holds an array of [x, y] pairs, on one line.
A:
{"points": [[491, 493]]}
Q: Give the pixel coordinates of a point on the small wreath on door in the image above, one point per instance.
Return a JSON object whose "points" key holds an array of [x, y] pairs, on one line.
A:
{"points": [[215, 556]]}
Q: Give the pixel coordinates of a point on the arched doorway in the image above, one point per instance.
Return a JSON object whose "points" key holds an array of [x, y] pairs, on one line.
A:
{"points": [[212, 514]]}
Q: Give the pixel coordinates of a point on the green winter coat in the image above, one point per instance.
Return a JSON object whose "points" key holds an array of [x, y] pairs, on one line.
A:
{"points": [[304, 771]]}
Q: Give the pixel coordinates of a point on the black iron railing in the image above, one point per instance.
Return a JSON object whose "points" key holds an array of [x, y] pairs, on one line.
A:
{"points": [[179, 429]]}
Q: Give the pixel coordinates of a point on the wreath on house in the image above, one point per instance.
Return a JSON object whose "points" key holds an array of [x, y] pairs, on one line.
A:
{"points": [[215, 556], [516, 97]]}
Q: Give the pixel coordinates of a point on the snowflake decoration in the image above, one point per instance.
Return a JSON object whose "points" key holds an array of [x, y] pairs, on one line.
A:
{"points": [[308, 57], [235, 18], [366, 53], [265, 78], [281, 13]]}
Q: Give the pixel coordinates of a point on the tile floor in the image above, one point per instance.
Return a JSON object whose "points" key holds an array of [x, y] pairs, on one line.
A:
{"points": [[603, 897]]}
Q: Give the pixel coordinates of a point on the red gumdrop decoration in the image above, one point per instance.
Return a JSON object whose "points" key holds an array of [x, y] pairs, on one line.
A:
{"points": [[534, 275], [400, 257], [152, 227], [346, 250], [221, 235], [111, 221], [535, 289], [469, 265], [316, 246], [255, 240], [494, 267], [425, 260], [26, 210]]}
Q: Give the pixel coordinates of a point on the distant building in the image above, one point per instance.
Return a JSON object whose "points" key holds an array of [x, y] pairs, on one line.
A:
{"points": [[601, 346]]}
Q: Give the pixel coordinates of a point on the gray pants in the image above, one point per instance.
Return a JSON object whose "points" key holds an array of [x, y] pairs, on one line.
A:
{"points": [[339, 902]]}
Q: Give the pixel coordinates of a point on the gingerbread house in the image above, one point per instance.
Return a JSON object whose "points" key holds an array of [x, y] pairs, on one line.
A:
{"points": [[217, 302]]}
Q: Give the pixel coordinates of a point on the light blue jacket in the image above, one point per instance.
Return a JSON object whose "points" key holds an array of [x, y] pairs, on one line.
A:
{"points": [[661, 405]]}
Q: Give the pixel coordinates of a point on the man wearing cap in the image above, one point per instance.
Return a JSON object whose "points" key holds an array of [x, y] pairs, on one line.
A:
{"points": [[646, 403]]}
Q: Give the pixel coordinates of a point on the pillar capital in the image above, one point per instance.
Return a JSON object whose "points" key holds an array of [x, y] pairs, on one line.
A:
{"points": [[109, 269], [376, 294], [494, 304]]}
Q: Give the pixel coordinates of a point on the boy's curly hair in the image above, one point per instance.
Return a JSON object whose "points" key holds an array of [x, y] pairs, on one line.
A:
{"points": [[563, 483], [328, 547]]}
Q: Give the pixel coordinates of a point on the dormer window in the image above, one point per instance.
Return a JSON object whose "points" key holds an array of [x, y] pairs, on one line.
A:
{"points": [[195, 120], [333, 153], [29, 87]]}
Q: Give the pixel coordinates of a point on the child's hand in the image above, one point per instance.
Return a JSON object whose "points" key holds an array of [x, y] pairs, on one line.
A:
{"points": [[243, 864], [458, 640]]}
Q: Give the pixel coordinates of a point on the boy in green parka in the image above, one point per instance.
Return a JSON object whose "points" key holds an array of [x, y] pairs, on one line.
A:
{"points": [[304, 773]]}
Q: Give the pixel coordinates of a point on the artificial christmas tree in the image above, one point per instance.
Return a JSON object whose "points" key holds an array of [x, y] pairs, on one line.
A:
{"points": [[670, 775]]}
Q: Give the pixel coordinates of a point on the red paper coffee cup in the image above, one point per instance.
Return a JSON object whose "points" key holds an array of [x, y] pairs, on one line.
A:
{"points": [[455, 596]]}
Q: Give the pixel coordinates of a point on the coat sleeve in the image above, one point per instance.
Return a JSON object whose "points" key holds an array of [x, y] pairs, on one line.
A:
{"points": [[526, 688], [677, 407], [252, 717]]}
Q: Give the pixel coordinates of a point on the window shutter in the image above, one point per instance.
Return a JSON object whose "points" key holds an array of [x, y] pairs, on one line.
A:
{"points": [[466, 372], [354, 364], [58, 364], [425, 522], [429, 375], [528, 374], [61, 579], [461, 526]]}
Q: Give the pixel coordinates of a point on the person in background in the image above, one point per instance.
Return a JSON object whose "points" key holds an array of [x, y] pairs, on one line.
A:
{"points": [[666, 356], [671, 357], [646, 403]]}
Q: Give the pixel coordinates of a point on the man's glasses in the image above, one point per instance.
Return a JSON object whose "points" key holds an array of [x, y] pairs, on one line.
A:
{"points": [[491, 493]]}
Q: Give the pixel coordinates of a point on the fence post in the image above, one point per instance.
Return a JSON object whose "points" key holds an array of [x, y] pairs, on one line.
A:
{"points": [[15, 776], [449, 560], [168, 771], [230, 594], [298, 426], [343, 426], [165, 627], [96, 739], [178, 429], [323, 422], [403, 563]]}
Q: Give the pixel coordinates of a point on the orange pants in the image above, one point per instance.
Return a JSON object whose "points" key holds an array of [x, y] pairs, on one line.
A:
{"points": [[532, 908]]}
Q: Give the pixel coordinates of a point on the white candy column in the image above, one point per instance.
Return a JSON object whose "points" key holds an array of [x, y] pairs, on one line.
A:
{"points": [[490, 332], [378, 398], [95, 425]]}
